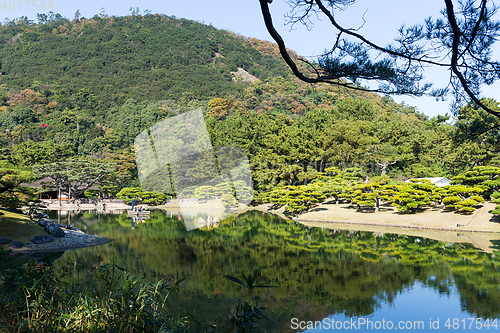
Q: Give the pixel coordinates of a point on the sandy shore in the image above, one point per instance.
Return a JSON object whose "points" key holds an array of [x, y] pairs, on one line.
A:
{"points": [[212, 208], [480, 229], [436, 218]]}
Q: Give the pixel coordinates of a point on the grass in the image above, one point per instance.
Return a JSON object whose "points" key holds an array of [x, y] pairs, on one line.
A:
{"points": [[34, 297], [18, 227], [37, 297]]}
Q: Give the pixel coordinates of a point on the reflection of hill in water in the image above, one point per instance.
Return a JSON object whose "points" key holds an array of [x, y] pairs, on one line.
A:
{"points": [[316, 270]]}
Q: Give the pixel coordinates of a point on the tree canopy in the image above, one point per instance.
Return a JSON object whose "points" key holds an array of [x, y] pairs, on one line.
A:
{"points": [[74, 176], [461, 40]]}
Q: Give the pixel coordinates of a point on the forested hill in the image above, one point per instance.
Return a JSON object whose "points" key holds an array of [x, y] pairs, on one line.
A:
{"points": [[152, 57]]}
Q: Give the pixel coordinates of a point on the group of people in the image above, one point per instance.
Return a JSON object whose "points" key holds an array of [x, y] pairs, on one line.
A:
{"points": [[136, 220], [137, 208], [210, 222]]}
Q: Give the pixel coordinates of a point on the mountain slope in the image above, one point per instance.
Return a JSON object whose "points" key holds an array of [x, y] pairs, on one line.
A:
{"points": [[152, 57]]}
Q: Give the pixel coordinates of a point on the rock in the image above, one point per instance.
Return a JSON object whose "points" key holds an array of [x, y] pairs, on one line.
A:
{"points": [[40, 215], [41, 239], [16, 245], [55, 231], [45, 222], [5, 240], [67, 227]]}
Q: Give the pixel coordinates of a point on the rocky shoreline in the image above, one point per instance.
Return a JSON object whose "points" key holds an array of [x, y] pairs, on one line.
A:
{"points": [[58, 238], [72, 240]]}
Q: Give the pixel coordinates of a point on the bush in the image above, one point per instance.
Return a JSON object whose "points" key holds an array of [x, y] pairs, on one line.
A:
{"points": [[34, 298]]}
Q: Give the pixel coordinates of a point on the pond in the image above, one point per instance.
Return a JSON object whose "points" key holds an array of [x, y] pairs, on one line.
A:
{"points": [[322, 278]]}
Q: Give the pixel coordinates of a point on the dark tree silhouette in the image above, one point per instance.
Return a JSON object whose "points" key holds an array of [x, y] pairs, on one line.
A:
{"points": [[461, 41]]}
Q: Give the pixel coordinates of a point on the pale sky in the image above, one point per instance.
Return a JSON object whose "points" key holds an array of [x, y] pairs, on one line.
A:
{"points": [[243, 17]]}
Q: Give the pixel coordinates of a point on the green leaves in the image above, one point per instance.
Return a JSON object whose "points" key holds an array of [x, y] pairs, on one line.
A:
{"points": [[11, 193], [74, 176], [128, 194], [249, 281], [296, 198]]}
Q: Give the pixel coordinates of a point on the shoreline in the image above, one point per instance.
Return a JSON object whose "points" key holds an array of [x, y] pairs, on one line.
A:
{"points": [[434, 218], [72, 240], [108, 207], [395, 226], [480, 229]]}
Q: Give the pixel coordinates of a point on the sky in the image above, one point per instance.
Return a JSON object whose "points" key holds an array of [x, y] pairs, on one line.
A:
{"points": [[382, 18]]}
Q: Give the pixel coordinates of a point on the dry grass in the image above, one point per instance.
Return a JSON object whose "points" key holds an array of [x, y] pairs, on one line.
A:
{"points": [[18, 227]]}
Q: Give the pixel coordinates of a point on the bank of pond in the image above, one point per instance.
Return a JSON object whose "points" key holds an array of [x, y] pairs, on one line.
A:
{"points": [[315, 274]]}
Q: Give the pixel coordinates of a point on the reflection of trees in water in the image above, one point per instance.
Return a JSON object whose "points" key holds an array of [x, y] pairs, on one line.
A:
{"points": [[352, 272]]}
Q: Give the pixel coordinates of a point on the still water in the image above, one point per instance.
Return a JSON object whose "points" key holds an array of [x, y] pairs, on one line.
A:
{"points": [[324, 280]]}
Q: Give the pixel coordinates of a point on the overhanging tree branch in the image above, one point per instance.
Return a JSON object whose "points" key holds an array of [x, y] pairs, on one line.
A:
{"points": [[455, 55], [462, 45]]}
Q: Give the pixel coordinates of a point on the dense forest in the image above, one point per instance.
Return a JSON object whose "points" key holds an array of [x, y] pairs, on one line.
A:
{"points": [[85, 88]]}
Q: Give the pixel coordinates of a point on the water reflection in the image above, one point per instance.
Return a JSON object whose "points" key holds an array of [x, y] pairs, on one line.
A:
{"points": [[318, 272], [418, 308]]}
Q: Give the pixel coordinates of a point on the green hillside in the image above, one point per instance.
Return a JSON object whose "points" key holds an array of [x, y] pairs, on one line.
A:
{"points": [[151, 57]]}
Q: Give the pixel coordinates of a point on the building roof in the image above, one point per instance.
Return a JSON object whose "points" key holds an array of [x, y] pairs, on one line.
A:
{"points": [[438, 181]]}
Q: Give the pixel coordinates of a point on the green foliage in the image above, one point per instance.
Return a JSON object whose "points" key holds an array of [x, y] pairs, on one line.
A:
{"points": [[463, 198], [29, 153], [125, 69], [296, 198], [204, 193], [486, 178], [91, 194], [244, 193], [35, 297], [496, 199], [129, 193], [229, 201], [12, 194], [372, 194], [74, 176], [451, 200], [152, 198], [415, 194], [116, 56]]}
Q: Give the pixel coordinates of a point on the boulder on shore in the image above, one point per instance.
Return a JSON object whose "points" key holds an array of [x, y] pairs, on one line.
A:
{"points": [[55, 231], [41, 239], [40, 215], [45, 222], [16, 245], [5, 240]]}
